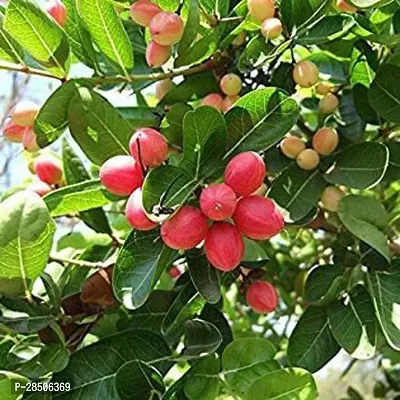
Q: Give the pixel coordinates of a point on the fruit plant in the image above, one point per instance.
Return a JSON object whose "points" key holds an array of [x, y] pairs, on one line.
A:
{"points": [[226, 232]]}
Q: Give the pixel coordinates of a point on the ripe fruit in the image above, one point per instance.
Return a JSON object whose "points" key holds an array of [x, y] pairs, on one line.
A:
{"points": [[260, 10], [39, 187], [163, 87], [258, 217], [323, 88], [143, 11], [29, 141], [185, 230], [305, 74], [24, 113], [213, 100], [292, 146], [330, 198], [308, 159], [343, 5], [121, 175], [245, 173], [231, 84], [239, 39], [328, 104], [218, 202], [13, 132], [149, 147], [166, 28], [228, 102], [135, 213], [157, 55], [174, 272], [325, 141], [271, 28], [58, 11], [224, 246], [48, 168], [262, 297]]}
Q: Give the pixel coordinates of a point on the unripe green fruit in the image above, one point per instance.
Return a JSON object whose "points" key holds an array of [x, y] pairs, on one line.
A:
{"points": [[228, 102], [343, 5], [185, 230], [136, 214], [29, 141], [166, 28], [292, 146], [157, 55], [213, 100], [323, 88], [58, 11], [239, 39], [231, 84], [271, 28], [325, 141], [308, 159], [24, 113], [328, 104], [218, 202], [48, 168], [13, 132], [143, 11], [262, 297], [305, 74], [163, 87], [260, 10], [330, 198]]}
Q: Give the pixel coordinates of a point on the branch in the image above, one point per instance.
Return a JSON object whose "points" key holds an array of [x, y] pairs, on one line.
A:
{"points": [[27, 70], [79, 263]]}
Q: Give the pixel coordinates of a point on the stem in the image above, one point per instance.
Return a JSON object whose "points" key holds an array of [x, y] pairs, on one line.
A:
{"points": [[29, 71], [79, 263], [231, 19]]}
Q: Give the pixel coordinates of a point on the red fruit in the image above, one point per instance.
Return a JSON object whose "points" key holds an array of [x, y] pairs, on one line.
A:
{"points": [[135, 213], [24, 113], [213, 100], [143, 11], [262, 297], [149, 147], [218, 202], [58, 11], [174, 272], [245, 173], [157, 55], [39, 187], [185, 230], [224, 246], [231, 84], [29, 141], [48, 168], [166, 28], [13, 132], [258, 218], [121, 175]]}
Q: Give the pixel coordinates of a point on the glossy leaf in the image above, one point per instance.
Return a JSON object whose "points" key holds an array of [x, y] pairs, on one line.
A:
{"points": [[10, 50]]}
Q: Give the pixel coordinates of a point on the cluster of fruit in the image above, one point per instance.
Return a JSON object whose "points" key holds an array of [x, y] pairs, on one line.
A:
{"points": [[263, 12], [166, 29]]}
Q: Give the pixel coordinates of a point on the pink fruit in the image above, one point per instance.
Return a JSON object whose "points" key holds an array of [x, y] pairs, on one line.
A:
{"points": [[224, 246], [13, 132], [174, 272], [24, 113], [39, 187], [157, 55], [260, 10], [149, 147], [48, 168], [271, 28], [245, 173], [136, 214], [213, 100], [143, 11], [331, 197], [121, 175], [228, 102], [231, 84], [163, 87], [262, 297], [328, 104], [29, 141], [308, 159], [258, 218], [343, 5], [166, 28], [58, 11], [218, 202], [185, 230], [292, 146], [305, 74], [325, 141]]}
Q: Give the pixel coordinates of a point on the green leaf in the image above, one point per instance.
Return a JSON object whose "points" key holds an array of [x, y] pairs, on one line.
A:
{"points": [[8, 381], [353, 323], [366, 219], [141, 260], [364, 3], [259, 120], [383, 286], [286, 384], [79, 197], [204, 277], [312, 343], [191, 26], [393, 172], [52, 290], [172, 125], [204, 142], [97, 127], [108, 356], [141, 116], [10, 50], [147, 382], [244, 361], [39, 35], [360, 166], [201, 338], [297, 191], [255, 53], [107, 30], [384, 94], [26, 235]]}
